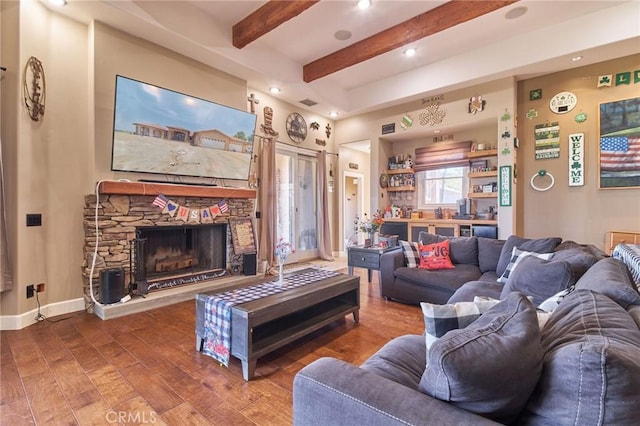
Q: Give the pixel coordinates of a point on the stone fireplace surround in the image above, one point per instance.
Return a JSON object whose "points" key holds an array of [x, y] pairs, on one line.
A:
{"points": [[125, 206]]}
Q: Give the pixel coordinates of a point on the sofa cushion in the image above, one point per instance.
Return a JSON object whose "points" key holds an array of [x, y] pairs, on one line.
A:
{"points": [[471, 289], [434, 256], [612, 278], [426, 238], [538, 245], [410, 250], [462, 249], [591, 372], [489, 251], [580, 259], [440, 319], [516, 257], [449, 279], [492, 366], [402, 360], [539, 278]]}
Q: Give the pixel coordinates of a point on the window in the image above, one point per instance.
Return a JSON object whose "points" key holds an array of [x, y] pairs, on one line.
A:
{"points": [[441, 187]]}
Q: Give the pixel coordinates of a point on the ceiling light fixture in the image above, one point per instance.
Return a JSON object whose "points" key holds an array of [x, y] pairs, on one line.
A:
{"points": [[410, 51], [516, 12], [576, 58], [333, 114], [364, 4], [274, 90], [58, 2], [342, 35]]}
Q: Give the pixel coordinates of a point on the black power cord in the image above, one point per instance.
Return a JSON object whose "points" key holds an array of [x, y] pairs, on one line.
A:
{"points": [[40, 317]]}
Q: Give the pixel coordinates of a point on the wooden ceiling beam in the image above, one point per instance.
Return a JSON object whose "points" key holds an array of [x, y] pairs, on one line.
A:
{"points": [[266, 18], [421, 26]]}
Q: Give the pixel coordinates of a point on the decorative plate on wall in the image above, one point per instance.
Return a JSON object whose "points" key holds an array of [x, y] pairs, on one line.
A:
{"points": [[384, 180], [296, 127]]}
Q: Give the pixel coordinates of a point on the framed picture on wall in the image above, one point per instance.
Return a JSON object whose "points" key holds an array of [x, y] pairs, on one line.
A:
{"points": [[619, 144]]}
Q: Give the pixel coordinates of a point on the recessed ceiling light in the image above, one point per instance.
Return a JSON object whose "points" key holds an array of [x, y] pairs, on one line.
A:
{"points": [[333, 114], [58, 2], [410, 51], [516, 12], [436, 131], [342, 35], [364, 4], [576, 58], [274, 89]]}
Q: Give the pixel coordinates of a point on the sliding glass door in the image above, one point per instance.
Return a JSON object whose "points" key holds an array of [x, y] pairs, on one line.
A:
{"points": [[296, 181]]}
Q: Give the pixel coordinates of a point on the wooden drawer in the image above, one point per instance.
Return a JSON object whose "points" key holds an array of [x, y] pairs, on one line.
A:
{"points": [[614, 238], [362, 259]]}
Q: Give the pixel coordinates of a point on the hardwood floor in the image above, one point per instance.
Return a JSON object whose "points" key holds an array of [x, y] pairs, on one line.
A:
{"points": [[143, 368]]}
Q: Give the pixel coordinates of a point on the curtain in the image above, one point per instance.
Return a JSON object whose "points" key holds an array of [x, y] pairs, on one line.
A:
{"points": [[324, 237], [6, 278], [268, 200], [441, 155]]}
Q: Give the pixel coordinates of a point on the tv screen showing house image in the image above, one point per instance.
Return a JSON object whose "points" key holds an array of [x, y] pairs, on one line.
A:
{"points": [[157, 130]]}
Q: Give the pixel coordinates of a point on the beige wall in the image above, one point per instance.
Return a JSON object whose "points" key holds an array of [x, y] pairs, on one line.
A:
{"points": [[47, 161], [582, 213]]}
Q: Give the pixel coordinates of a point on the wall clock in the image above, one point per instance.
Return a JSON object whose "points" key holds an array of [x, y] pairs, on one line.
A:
{"points": [[296, 127], [384, 180]]}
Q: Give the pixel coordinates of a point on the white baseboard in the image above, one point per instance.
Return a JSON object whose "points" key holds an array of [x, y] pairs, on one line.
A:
{"points": [[18, 322]]}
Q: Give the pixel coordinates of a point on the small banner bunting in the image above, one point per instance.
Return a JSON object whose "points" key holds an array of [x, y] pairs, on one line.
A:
{"points": [[605, 80], [623, 78], [160, 201], [171, 208], [183, 213], [205, 215], [224, 207], [215, 211], [194, 216]]}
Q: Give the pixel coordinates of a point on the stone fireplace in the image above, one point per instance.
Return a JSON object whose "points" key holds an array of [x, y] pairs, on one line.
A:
{"points": [[154, 248]]}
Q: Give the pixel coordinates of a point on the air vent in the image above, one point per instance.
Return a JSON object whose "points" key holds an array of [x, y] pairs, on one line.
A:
{"points": [[308, 102]]}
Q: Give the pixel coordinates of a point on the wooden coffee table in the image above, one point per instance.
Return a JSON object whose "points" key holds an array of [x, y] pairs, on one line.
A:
{"points": [[263, 325]]}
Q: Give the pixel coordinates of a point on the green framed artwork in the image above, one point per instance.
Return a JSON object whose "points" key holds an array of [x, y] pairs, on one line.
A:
{"points": [[504, 194], [619, 151]]}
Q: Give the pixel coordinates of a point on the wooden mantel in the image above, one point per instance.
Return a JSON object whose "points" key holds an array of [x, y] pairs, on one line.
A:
{"points": [[148, 188]]}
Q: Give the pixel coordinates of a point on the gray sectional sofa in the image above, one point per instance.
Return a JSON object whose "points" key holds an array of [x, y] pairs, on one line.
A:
{"points": [[581, 366]]}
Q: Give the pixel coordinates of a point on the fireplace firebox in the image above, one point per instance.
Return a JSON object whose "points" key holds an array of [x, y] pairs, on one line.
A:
{"points": [[168, 256]]}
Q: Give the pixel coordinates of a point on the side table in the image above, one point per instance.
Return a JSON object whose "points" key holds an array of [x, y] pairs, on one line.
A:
{"points": [[366, 257]]}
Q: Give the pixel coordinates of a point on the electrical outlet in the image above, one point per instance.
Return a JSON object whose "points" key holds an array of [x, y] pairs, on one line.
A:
{"points": [[30, 290], [40, 288]]}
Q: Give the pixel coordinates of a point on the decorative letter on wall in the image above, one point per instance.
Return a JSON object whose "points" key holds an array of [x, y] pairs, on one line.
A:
{"points": [[576, 159]]}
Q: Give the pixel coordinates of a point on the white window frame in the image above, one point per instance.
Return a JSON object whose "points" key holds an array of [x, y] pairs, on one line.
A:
{"points": [[421, 188]]}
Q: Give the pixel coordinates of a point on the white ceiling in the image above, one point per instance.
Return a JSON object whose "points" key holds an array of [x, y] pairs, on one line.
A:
{"points": [[543, 40]]}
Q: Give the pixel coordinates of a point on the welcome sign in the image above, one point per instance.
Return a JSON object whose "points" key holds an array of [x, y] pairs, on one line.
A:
{"points": [[576, 159]]}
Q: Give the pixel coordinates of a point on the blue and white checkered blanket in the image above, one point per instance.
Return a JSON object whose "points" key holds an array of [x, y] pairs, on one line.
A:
{"points": [[629, 254], [217, 312]]}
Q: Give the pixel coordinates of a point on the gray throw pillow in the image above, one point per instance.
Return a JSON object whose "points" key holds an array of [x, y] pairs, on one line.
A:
{"points": [[462, 249], [612, 278], [426, 238], [538, 245], [491, 367], [516, 257], [489, 253], [539, 278]]}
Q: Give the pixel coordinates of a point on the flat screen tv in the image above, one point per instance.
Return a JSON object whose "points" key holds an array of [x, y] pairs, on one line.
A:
{"points": [[157, 130]]}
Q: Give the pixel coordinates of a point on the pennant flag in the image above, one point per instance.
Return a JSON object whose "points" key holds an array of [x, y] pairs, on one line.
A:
{"points": [[605, 80], [205, 215], [215, 211], [183, 213], [636, 77], [224, 207], [171, 208], [160, 201], [619, 153], [194, 216], [623, 78]]}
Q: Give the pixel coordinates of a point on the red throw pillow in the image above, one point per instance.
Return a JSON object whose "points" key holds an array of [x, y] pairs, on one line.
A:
{"points": [[435, 256]]}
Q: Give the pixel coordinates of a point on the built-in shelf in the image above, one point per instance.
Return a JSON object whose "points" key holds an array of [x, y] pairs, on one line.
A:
{"points": [[401, 188], [483, 153], [483, 195], [490, 173], [400, 171], [152, 188]]}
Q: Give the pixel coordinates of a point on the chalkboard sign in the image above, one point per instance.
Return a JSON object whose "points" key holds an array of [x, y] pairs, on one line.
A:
{"points": [[388, 128], [243, 237]]}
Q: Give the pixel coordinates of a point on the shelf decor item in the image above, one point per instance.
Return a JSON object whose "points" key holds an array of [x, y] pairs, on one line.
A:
{"points": [[369, 226], [282, 251]]}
